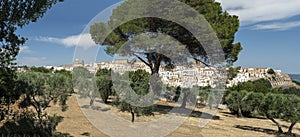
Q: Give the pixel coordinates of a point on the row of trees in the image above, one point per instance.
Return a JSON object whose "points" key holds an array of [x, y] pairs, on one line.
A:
{"points": [[258, 99], [93, 86], [32, 89], [131, 87], [37, 91], [100, 86]]}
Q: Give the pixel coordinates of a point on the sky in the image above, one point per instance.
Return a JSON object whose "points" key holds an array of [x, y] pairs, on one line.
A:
{"points": [[269, 33]]}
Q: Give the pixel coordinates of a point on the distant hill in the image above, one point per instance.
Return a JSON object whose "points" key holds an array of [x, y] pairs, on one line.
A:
{"points": [[295, 77]]}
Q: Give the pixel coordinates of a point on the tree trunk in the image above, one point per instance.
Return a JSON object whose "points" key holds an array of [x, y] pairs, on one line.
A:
{"points": [[277, 124], [132, 115], [185, 95], [92, 102], [291, 128], [156, 64], [240, 114], [154, 70], [155, 85]]}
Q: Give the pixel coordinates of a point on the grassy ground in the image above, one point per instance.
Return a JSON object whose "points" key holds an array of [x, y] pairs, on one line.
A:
{"points": [[225, 124]]}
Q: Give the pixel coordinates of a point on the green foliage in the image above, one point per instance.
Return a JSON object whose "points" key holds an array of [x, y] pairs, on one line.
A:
{"points": [[203, 95], [85, 84], [41, 89], [272, 106], [14, 15], [177, 93], [253, 101], [26, 126], [104, 72], [236, 102], [232, 72], [139, 83], [292, 108], [296, 82], [271, 71], [104, 83], [289, 91], [261, 85], [64, 72], [9, 92], [223, 24], [244, 103], [139, 111], [41, 69]]}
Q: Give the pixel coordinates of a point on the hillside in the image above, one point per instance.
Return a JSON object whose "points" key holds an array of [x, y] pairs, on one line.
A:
{"points": [[281, 80]]}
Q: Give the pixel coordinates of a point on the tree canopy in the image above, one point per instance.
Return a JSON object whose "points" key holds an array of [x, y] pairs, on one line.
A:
{"points": [[13, 15], [104, 83], [223, 24], [260, 85]]}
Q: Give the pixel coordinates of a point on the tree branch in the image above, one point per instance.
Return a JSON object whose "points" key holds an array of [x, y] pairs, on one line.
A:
{"points": [[202, 62], [141, 59]]}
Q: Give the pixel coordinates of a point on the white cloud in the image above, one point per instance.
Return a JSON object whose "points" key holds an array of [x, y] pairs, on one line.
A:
{"points": [[81, 40], [32, 61], [24, 49], [277, 26], [255, 11]]}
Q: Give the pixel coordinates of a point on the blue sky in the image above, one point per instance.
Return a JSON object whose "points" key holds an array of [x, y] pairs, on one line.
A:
{"points": [[269, 33]]}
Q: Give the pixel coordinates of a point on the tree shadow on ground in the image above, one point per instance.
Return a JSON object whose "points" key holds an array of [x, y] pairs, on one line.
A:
{"points": [[96, 108], [27, 126], [165, 109], [86, 134], [264, 130], [230, 114]]}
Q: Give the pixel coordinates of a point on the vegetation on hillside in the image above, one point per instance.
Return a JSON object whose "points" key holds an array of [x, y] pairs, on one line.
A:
{"points": [[257, 98]]}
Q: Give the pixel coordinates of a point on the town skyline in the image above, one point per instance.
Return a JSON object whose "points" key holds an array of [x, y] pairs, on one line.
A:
{"points": [[272, 42], [185, 75]]}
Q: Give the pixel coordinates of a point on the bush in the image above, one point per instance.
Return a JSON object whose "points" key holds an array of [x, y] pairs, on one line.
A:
{"points": [[271, 71]]}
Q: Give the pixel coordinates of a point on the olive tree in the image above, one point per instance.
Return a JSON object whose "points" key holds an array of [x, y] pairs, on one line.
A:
{"points": [[104, 83], [41, 89], [138, 83], [85, 84]]}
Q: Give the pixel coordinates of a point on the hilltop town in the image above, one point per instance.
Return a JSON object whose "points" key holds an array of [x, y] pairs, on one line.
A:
{"points": [[193, 74]]}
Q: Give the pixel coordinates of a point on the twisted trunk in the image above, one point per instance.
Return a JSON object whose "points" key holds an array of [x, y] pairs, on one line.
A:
{"points": [[291, 128], [132, 115], [277, 124]]}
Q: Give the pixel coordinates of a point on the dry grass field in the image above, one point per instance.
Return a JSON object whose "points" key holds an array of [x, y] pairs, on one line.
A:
{"points": [[225, 125]]}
